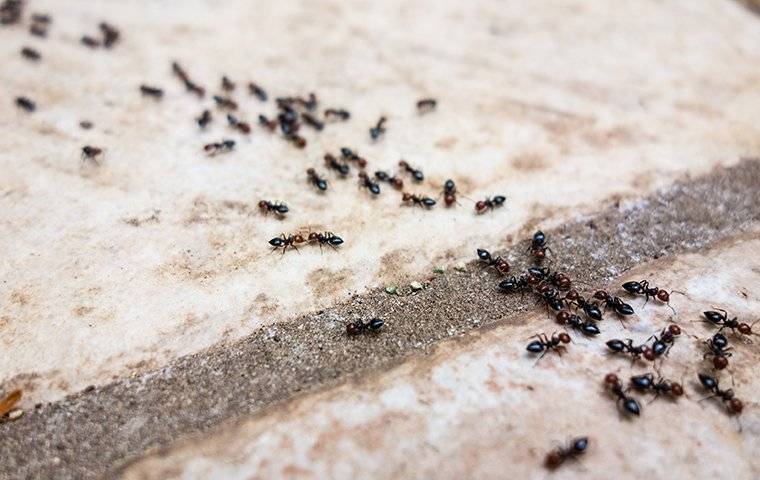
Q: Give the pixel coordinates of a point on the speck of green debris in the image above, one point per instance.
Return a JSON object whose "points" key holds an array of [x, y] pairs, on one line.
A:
{"points": [[391, 289], [416, 286], [439, 269]]}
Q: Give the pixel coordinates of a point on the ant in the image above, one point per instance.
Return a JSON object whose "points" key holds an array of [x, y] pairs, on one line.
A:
{"points": [[426, 202], [242, 127], [416, 174], [86, 124], [612, 382], [195, 88], [722, 319], [717, 347], [91, 153], [397, 183], [498, 263], [339, 114], [661, 386], [189, 84], [204, 119], [327, 238], [227, 84], [544, 343], [426, 105], [26, 104], [511, 284], [615, 303], [587, 328], [219, 147], [315, 179], [627, 346], [350, 155], [449, 192], [733, 404], [266, 123], [489, 203], [297, 140], [642, 288], [257, 91], [38, 30], [110, 34], [278, 208], [557, 457], [550, 296], [590, 309], [309, 120], [365, 181], [225, 102], [88, 41], [665, 341], [538, 245], [149, 91], [284, 242], [30, 54], [561, 281], [378, 129], [357, 327], [334, 164]]}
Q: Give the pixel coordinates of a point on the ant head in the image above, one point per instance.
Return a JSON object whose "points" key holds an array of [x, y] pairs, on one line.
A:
{"points": [[362, 162], [720, 363], [674, 329], [744, 329], [263, 204], [735, 406], [663, 296], [611, 379], [397, 183], [564, 337], [563, 316], [480, 205], [297, 238], [313, 236], [403, 164], [601, 295], [649, 354], [310, 171], [363, 175], [676, 389], [572, 294], [553, 460], [406, 197]]}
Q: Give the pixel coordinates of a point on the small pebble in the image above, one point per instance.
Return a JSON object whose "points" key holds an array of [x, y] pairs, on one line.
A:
{"points": [[460, 267], [15, 414], [391, 289], [416, 286], [439, 269]]}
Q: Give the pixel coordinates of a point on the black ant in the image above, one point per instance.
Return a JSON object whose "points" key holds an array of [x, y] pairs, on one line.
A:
{"points": [[366, 182], [357, 327], [642, 288], [278, 208], [512, 284], [227, 84], [30, 54], [219, 147], [284, 242], [587, 328], [557, 457], [149, 91], [722, 319], [627, 346], [204, 119], [257, 91], [25, 104], [717, 347], [426, 105], [498, 263], [664, 342], [733, 404], [85, 124], [449, 192], [615, 303], [550, 296], [348, 154], [242, 127], [397, 183], [615, 386], [378, 129], [91, 153], [333, 163], [110, 34], [426, 202], [538, 245], [309, 120], [337, 113], [416, 173], [316, 180], [661, 386], [544, 343], [88, 41], [489, 203], [590, 309], [327, 238], [270, 125], [225, 102]]}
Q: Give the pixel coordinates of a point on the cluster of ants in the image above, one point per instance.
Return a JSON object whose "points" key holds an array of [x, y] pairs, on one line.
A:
{"points": [[570, 309]]}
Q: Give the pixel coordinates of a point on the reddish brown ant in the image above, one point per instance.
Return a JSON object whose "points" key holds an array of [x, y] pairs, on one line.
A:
{"points": [[296, 140], [148, 91], [227, 84], [717, 347], [588, 328], [413, 199], [338, 114], [538, 245], [88, 41], [498, 263], [309, 120], [722, 319], [482, 206], [558, 456], [357, 327], [543, 343], [284, 242], [333, 164], [91, 153], [627, 346], [257, 91], [661, 386], [270, 125], [367, 183], [189, 84], [219, 147], [110, 34], [397, 183], [378, 129], [416, 174], [734, 406], [278, 208], [204, 119], [327, 238], [349, 155], [26, 104], [615, 386], [225, 102], [242, 127], [642, 288], [30, 54], [316, 180], [664, 342], [426, 105], [449, 192]]}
